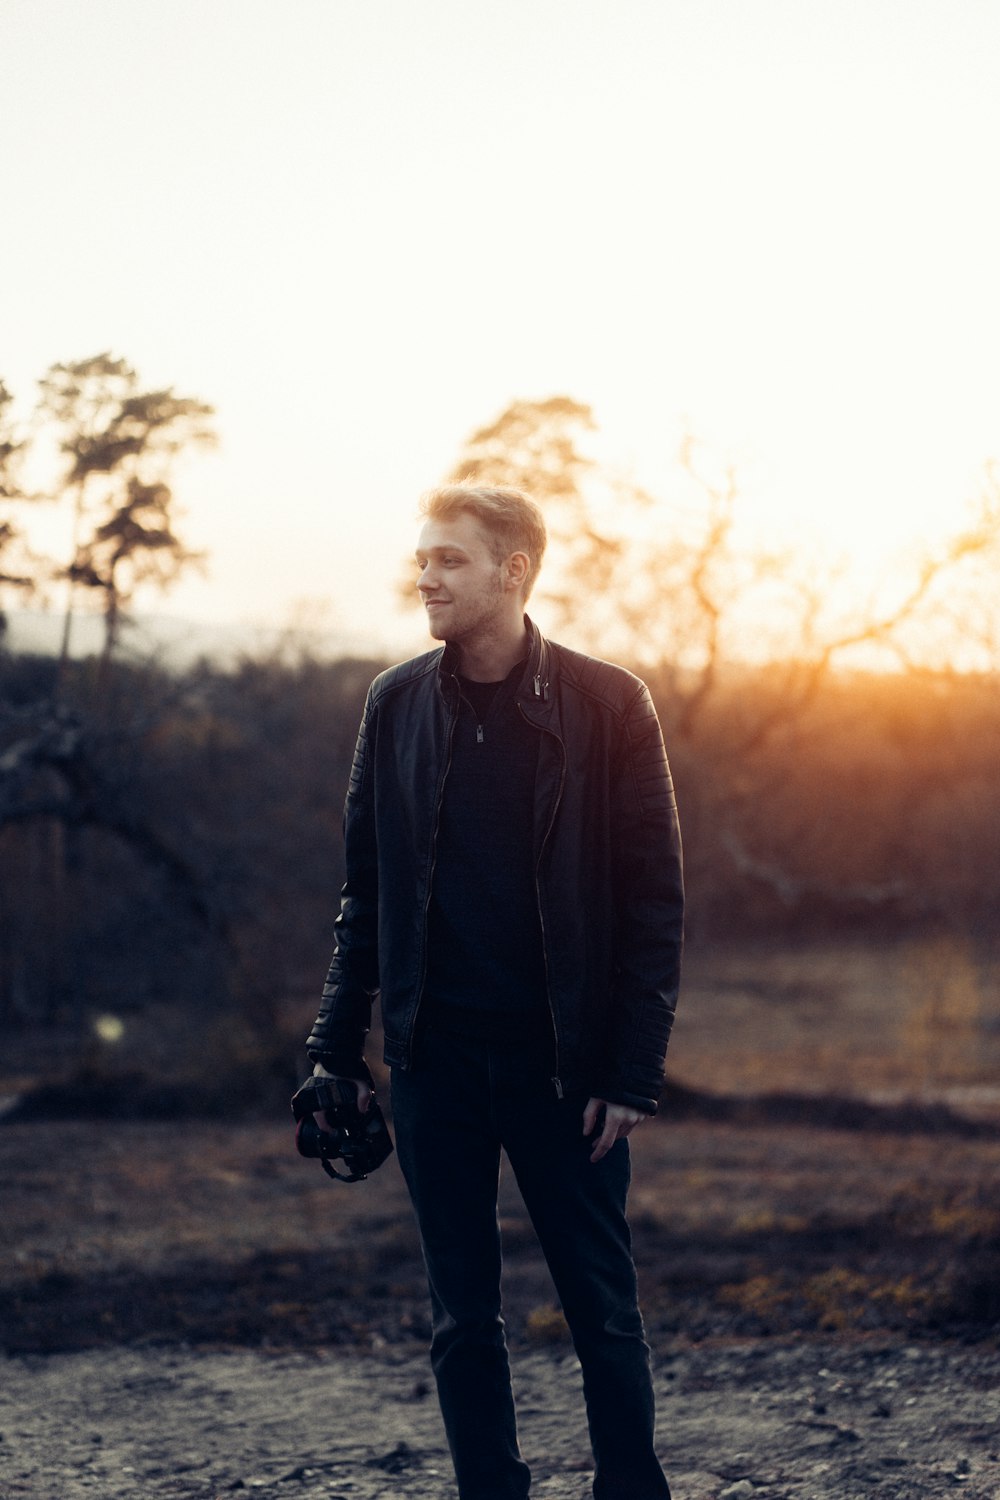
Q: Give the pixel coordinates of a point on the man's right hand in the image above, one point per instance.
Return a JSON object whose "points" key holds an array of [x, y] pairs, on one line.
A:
{"points": [[365, 1094]]}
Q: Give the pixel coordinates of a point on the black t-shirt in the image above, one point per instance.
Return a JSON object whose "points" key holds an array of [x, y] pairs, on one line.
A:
{"points": [[484, 933]]}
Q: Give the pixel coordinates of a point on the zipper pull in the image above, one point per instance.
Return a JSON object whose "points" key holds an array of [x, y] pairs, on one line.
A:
{"points": [[557, 1085], [479, 734]]}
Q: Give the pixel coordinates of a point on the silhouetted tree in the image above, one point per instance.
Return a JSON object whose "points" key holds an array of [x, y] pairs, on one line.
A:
{"points": [[69, 760], [15, 563], [532, 445], [541, 447], [118, 442]]}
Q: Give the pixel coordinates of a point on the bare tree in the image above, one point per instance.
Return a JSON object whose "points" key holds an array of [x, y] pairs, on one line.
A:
{"points": [[738, 643], [667, 583]]}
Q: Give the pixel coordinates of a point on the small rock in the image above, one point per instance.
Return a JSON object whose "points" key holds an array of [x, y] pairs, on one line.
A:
{"points": [[741, 1490], [740, 1463], [397, 1460]]}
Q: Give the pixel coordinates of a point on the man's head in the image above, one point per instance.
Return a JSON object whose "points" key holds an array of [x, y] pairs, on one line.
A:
{"points": [[510, 520], [479, 554]]}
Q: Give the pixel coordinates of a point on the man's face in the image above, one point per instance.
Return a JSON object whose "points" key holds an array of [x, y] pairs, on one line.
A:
{"points": [[460, 582]]}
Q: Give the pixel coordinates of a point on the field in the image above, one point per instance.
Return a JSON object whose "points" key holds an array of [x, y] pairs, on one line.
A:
{"points": [[817, 1229]]}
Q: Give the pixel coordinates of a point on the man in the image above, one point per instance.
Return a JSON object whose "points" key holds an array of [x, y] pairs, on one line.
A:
{"points": [[514, 892]]}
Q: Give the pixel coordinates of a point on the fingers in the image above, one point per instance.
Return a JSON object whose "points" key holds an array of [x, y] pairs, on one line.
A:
{"points": [[364, 1090], [605, 1140], [619, 1121]]}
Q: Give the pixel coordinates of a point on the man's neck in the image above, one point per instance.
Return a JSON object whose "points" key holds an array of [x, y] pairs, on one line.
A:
{"points": [[490, 659]]}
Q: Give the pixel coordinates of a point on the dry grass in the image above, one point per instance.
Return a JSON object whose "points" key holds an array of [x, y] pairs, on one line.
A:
{"points": [[916, 1018], [215, 1230]]}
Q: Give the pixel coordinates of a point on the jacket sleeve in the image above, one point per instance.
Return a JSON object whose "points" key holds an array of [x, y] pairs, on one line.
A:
{"points": [[338, 1035], [648, 911]]}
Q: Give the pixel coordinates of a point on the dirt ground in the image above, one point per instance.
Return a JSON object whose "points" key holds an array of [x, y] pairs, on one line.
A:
{"points": [[857, 1419], [206, 1315], [188, 1309]]}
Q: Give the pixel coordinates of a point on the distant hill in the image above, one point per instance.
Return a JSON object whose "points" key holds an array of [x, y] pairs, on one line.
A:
{"points": [[179, 642]]}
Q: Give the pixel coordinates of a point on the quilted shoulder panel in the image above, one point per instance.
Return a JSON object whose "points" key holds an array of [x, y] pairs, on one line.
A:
{"points": [[386, 683], [614, 687], [403, 673], [648, 758], [626, 697]]}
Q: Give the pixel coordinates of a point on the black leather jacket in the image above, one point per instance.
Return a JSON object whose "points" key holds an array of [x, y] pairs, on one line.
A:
{"points": [[608, 868]]}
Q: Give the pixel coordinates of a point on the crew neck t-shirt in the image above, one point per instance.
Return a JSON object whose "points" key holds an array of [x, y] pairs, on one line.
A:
{"points": [[485, 962]]}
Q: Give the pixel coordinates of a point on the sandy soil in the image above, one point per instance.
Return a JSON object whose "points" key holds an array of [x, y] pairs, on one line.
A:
{"points": [[864, 1420]]}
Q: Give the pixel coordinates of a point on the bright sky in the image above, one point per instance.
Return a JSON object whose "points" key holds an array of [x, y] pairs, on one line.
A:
{"points": [[360, 227]]}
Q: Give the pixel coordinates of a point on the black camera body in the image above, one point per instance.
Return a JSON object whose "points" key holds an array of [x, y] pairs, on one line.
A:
{"points": [[361, 1141]]}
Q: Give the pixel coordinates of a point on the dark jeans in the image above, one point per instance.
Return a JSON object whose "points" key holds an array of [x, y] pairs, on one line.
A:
{"points": [[453, 1111]]}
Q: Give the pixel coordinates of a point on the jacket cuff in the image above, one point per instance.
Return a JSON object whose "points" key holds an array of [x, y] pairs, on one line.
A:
{"points": [[343, 1064], [631, 1101], [634, 1101]]}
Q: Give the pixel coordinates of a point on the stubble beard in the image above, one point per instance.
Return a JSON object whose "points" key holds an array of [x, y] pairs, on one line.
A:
{"points": [[462, 624]]}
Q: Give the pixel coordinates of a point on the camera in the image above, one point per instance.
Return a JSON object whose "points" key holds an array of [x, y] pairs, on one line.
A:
{"points": [[361, 1141]]}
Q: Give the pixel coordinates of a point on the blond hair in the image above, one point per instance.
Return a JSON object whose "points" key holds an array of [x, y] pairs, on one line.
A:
{"points": [[513, 522]]}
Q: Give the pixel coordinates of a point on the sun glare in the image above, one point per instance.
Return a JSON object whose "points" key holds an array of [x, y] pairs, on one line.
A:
{"points": [[780, 231]]}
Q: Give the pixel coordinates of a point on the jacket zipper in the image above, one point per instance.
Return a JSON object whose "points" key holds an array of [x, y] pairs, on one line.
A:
{"points": [[556, 1081], [480, 737]]}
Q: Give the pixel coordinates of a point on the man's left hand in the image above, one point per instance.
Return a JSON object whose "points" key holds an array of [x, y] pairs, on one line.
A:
{"points": [[619, 1121]]}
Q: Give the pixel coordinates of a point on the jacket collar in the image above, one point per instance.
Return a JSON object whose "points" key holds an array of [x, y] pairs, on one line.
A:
{"points": [[534, 689]]}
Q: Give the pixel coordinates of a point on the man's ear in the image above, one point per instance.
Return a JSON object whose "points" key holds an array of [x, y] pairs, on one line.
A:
{"points": [[518, 564]]}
